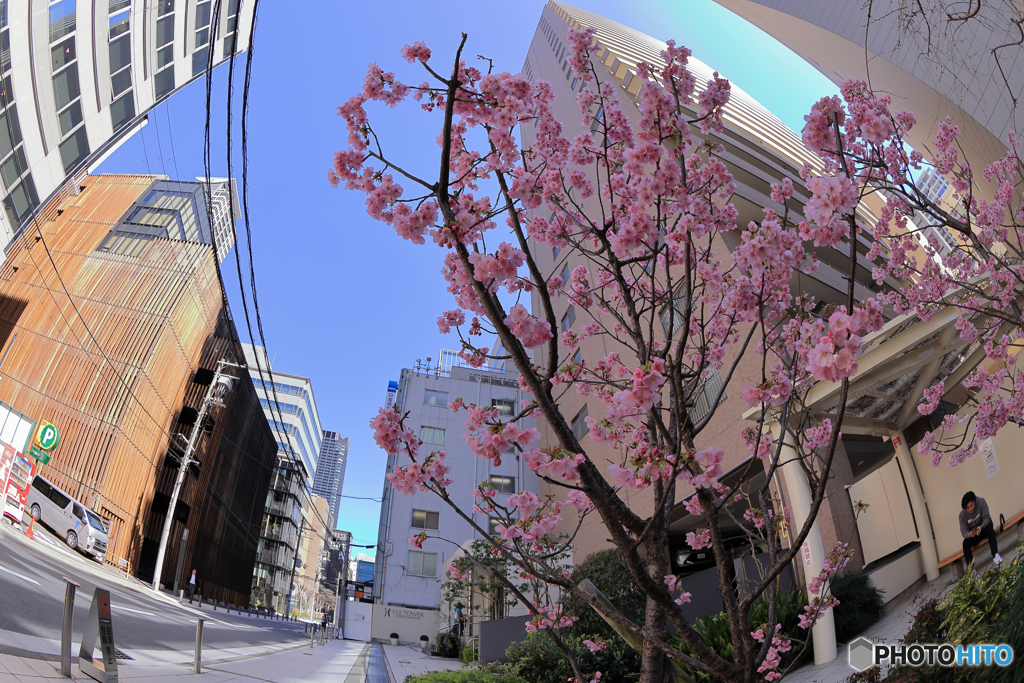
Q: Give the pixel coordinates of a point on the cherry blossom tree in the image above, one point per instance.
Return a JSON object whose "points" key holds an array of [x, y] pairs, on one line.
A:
{"points": [[645, 205]]}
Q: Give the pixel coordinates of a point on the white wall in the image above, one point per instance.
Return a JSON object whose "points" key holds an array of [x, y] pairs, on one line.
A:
{"points": [[358, 620], [409, 624]]}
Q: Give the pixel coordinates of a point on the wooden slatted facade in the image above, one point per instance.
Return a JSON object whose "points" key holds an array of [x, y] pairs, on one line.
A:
{"points": [[107, 351]]}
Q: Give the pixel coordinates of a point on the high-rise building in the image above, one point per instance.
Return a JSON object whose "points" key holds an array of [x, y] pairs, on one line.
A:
{"points": [[758, 150], [290, 409], [330, 472], [77, 78], [131, 347], [411, 577], [968, 69]]}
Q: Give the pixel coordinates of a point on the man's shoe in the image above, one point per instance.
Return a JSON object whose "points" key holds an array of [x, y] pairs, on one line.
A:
{"points": [[997, 560]]}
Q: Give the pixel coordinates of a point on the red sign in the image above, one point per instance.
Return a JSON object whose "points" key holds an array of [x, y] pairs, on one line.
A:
{"points": [[897, 441], [807, 553], [6, 461]]}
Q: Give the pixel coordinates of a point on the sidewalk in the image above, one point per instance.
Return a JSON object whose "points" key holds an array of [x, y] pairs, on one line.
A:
{"points": [[406, 660], [344, 661], [898, 618]]}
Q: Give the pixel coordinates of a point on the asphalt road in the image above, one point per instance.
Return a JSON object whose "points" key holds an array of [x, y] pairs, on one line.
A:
{"points": [[32, 599]]}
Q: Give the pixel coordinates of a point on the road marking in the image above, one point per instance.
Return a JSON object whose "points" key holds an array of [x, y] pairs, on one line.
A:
{"points": [[129, 609], [20, 576]]}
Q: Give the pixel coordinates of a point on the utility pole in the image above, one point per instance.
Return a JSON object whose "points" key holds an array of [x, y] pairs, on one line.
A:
{"points": [[220, 385], [295, 561]]}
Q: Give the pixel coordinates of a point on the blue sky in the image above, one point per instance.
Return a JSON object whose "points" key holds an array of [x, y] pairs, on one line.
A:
{"points": [[345, 301]]}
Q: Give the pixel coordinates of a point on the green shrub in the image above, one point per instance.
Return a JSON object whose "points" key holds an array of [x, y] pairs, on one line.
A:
{"points": [[538, 660], [860, 604], [464, 676], [607, 570], [468, 654], [448, 645], [715, 631], [976, 603]]}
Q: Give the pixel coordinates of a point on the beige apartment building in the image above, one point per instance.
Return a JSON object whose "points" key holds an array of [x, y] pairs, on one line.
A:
{"points": [[969, 68], [897, 543]]}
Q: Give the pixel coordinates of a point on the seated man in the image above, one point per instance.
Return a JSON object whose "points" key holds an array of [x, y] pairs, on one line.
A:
{"points": [[975, 521]]}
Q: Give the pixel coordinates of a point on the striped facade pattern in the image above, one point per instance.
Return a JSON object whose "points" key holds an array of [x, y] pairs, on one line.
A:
{"points": [[106, 351]]}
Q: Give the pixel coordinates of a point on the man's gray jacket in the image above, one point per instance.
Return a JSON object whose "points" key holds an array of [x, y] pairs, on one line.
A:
{"points": [[980, 517]]}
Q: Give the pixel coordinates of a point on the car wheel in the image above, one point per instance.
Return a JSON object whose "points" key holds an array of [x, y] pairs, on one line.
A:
{"points": [[35, 511], [72, 540]]}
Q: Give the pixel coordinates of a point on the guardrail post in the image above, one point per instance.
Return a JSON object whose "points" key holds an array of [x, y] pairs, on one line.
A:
{"points": [[199, 645], [65, 627]]}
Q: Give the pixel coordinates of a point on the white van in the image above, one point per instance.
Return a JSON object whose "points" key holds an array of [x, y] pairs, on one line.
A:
{"points": [[81, 527]]}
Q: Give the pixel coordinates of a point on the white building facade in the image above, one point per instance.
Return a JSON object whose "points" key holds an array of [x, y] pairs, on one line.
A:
{"points": [[290, 408], [77, 78], [410, 577]]}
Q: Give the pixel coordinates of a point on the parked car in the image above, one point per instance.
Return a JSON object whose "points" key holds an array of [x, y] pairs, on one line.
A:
{"points": [[81, 528], [688, 561]]}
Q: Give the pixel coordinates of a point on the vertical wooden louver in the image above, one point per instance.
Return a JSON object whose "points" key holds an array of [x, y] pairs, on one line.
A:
{"points": [[106, 351]]}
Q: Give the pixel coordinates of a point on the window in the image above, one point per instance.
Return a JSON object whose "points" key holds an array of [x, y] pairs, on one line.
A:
{"points": [[503, 484], [164, 56], [421, 519], [121, 82], [569, 318], [565, 277], [704, 395], [118, 23], [199, 59], [505, 407], [63, 54], [120, 54], [580, 428], [578, 356], [122, 111], [164, 7], [165, 31], [554, 252], [65, 86], [62, 19], [74, 149], [432, 435], [12, 168], [164, 82], [673, 314], [422, 564], [492, 527], [435, 398]]}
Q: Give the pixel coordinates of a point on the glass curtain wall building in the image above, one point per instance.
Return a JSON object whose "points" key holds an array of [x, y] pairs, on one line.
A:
{"points": [[330, 472]]}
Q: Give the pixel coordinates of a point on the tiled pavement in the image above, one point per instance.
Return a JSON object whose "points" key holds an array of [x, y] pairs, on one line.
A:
{"points": [[341, 661], [405, 660], [893, 626]]}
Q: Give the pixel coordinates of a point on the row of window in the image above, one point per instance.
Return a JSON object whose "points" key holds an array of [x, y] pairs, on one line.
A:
{"points": [[66, 90], [506, 407], [291, 390]]}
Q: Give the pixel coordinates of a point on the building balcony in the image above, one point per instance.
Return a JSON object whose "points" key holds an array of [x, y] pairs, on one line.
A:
{"points": [[276, 558], [284, 535]]}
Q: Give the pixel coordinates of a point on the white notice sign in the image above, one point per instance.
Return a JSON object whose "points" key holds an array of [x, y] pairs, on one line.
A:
{"points": [[988, 455]]}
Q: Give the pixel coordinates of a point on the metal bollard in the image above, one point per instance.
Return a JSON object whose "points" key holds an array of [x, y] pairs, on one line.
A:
{"points": [[214, 605], [65, 628], [311, 637], [181, 597], [200, 602], [199, 645]]}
